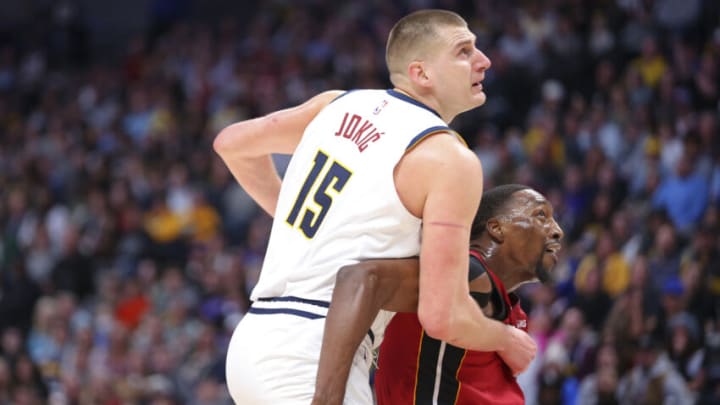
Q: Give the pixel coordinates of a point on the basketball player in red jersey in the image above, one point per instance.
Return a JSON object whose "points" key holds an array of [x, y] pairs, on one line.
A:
{"points": [[514, 240]]}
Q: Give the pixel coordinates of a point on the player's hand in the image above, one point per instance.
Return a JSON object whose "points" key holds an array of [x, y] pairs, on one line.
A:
{"points": [[519, 351]]}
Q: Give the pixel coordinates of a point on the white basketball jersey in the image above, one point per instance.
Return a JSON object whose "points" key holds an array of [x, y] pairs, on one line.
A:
{"points": [[338, 204]]}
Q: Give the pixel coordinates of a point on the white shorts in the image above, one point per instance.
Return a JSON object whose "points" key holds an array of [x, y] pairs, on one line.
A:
{"points": [[273, 356]]}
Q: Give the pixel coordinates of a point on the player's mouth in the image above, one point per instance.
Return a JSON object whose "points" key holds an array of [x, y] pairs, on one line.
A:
{"points": [[478, 85], [553, 248]]}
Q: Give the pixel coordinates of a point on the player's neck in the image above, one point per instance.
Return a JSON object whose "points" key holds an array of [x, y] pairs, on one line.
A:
{"points": [[509, 274], [427, 100]]}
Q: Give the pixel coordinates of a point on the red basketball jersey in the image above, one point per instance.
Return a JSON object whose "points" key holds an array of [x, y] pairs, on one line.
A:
{"points": [[414, 368]]}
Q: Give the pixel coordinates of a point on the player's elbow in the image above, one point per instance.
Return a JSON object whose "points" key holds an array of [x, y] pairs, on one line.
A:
{"points": [[223, 142], [361, 277], [437, 323]]}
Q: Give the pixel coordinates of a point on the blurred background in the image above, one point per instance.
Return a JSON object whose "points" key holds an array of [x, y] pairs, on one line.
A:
{"points": [[128, 251]]}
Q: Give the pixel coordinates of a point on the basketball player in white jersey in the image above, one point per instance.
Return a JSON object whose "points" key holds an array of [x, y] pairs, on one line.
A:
{"points": [[369, 167]]}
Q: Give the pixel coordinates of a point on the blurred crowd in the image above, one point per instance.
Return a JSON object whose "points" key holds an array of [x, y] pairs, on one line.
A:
{"points": [[128, 251]]}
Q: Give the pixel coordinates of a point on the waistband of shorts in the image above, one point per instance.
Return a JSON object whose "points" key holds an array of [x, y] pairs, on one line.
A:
{"points": [[291, 305], [302, 307]]}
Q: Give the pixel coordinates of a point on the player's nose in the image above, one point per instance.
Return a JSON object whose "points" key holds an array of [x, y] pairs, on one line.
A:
{"points": [[483, 62], [556, 232]]}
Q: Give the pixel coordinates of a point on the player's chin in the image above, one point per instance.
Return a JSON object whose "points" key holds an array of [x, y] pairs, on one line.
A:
{"points": [[479, 98], [549, 261]]}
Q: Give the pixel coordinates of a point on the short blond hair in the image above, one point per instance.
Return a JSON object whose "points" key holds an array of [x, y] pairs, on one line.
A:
{"points": [[414, 34]]}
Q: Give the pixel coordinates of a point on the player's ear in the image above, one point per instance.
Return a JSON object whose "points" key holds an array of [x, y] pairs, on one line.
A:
{"points": [[418, 74], [494, 228]]}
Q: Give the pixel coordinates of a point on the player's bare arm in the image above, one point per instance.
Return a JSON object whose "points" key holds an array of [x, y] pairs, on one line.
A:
{"points": [[447, 202], [361, 290], [246, 147]]}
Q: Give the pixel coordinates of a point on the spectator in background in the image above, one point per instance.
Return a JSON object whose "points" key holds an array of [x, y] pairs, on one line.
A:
{"points": [[684, 195], [653, 379], [672, 304], [19, 295], [613, 271], [715, 183], [568, 357], [590, 298], [684, 347], [29, 384], [710, 374], [132, 305], [664, 256], [634, 313], [74, 271], [651, 63], [705, 82], [600, 387]]}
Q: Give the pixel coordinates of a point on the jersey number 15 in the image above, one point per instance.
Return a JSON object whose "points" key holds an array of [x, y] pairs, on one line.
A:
{"points": [[335, 179]]}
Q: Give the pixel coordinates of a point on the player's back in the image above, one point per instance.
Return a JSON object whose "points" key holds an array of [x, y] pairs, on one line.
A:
{"points": [[338, 203]]}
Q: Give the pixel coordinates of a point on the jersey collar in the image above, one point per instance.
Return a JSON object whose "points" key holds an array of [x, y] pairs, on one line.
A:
{"points": [[405, 97]]}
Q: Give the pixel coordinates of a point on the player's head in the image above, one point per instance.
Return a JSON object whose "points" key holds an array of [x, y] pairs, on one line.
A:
{"points": [[519, 220], [432, 53]]}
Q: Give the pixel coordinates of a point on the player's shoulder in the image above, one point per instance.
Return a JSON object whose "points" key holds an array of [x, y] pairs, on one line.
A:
{"points": [[337, 97], [317, 103], [446, 147], [328, 96], [477, 268]]}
